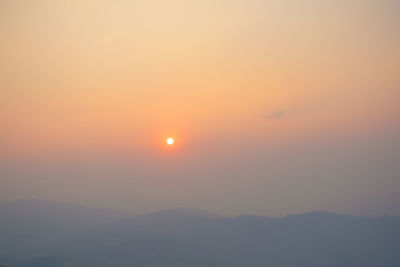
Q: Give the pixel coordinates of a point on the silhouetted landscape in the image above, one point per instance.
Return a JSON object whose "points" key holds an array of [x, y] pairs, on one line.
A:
{"points": [[43, 233]]}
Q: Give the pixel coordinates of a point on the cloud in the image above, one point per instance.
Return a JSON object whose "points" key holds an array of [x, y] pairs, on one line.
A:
{"points": [[277, 115]]}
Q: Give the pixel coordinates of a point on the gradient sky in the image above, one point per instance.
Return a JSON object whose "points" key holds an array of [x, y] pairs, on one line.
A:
{"points": [[276, 107]]}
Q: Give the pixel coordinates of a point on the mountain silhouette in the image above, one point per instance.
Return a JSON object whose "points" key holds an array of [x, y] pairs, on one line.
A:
{"points": [[192, 238]]}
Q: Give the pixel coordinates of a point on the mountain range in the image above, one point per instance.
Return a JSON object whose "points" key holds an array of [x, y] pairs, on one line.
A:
{"points": [[37, 233]]}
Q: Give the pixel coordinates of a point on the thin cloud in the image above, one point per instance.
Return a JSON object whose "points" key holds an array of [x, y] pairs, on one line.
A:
{"points": [[277, 115]]}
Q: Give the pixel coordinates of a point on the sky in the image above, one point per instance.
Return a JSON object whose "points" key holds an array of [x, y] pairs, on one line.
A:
{"points": [[276, 107]]}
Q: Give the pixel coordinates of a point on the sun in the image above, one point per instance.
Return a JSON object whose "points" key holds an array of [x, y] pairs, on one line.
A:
{"points": [[170, 141]]}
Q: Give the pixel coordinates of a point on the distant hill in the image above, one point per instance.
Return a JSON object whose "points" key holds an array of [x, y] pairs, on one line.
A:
{"points": [[194, 238], [32, 227]]}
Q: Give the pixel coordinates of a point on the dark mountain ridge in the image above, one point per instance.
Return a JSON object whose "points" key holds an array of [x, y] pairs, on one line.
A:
{"points": [[190, 237]]}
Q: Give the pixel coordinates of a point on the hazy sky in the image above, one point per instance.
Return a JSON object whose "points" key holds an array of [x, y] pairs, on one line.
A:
{"points": [[276, 106]]}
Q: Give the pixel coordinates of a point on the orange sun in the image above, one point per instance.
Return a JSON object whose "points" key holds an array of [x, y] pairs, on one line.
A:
{"points": [[170, 141]]}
